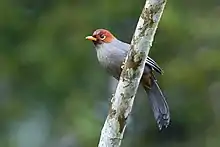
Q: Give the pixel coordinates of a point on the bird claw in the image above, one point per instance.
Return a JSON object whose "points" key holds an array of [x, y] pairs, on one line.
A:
{"points": [[123, 65], [147, 87]]}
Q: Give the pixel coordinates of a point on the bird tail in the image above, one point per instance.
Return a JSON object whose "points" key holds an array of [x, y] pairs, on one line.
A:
{"points": [[158, 102]]}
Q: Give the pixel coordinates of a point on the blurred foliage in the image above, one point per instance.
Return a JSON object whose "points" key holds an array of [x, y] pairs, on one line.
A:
{"points": [[54, 93]]}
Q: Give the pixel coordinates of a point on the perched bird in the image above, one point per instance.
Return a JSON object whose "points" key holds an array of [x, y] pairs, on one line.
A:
{"points": [[111, 54]]}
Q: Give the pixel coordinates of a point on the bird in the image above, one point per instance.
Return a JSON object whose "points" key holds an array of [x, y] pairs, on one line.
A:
{"points": [[111, 54]]}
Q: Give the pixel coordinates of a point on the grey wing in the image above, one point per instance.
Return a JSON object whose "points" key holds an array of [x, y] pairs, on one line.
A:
{"points": [[150, 62]]}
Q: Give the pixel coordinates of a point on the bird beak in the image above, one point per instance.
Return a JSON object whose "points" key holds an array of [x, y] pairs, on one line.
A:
{"points": [[91, 38]]}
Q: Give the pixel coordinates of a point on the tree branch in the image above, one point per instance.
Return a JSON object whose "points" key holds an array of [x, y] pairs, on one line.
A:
{"points": [[122, 102]]}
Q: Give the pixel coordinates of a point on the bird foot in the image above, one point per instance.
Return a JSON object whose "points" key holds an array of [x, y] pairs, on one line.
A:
{"points": [[147, 87], [123, 65]]}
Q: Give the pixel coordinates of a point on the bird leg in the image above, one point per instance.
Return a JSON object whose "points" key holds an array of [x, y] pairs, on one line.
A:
{"points": [[123, 65]]}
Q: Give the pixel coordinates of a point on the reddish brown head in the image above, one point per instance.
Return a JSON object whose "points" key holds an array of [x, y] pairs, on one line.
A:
{"points": [[101, 36]]}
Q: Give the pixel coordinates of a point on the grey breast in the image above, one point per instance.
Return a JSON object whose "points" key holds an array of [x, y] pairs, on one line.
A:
{"points": [[111, 57]]}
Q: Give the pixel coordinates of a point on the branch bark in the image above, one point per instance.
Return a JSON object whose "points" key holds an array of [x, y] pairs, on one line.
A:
{"points": [[122, 101]]}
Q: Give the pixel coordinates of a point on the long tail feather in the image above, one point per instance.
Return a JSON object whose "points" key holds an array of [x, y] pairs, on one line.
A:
{"points": [[158, 103]]}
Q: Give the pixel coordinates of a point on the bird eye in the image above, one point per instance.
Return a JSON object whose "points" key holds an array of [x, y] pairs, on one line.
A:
{"points": [[102, 37]]}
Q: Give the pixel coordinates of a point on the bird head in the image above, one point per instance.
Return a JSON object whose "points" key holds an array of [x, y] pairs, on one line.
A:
{"points": [[101, 36]]}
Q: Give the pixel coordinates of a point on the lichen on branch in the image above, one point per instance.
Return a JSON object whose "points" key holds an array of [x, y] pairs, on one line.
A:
{"points": [[122, 101]]}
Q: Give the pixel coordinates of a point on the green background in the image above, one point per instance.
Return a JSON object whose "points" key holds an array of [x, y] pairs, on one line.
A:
{"points": [[53, 93]]}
